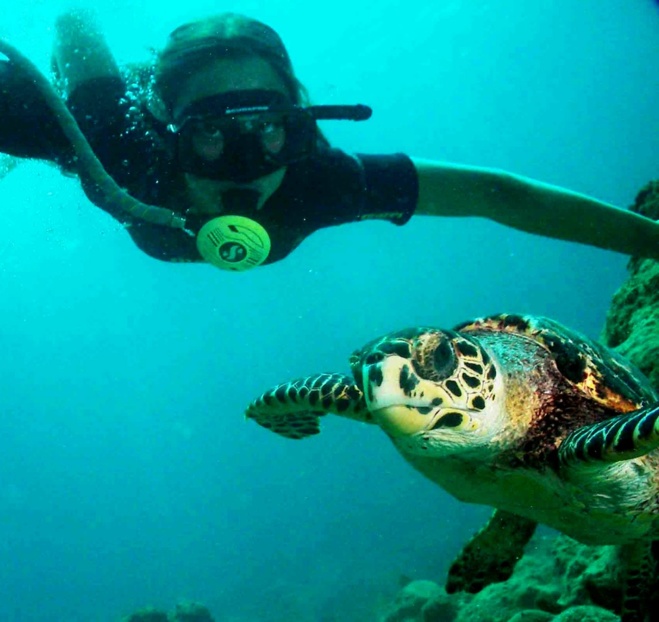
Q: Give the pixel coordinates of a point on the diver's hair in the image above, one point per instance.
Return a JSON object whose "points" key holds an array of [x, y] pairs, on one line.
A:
{"points": [[194, 45]]}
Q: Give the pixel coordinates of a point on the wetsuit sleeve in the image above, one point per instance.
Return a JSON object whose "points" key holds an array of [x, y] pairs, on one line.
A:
{"points": [[28, 128], [334, 188], [117, 132], [99, 106], [391, 188]]}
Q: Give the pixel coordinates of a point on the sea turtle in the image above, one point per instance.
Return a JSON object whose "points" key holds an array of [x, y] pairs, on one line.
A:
{"points": [[512, 411]]}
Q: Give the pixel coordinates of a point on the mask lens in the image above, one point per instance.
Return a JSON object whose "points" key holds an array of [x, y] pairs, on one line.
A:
{"points": [[240, 137], [207, 138], [268, 128], [273, 136]]}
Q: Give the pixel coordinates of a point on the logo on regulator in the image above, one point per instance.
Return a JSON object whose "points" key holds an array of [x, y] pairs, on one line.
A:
{"points": [[233, 243]]}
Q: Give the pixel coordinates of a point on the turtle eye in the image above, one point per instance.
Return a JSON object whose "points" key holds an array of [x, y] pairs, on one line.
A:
{"points": [[443, 359], [436, 359]]}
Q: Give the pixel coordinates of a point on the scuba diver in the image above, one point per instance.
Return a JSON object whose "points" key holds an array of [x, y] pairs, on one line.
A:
{"points": [[214, 152]]}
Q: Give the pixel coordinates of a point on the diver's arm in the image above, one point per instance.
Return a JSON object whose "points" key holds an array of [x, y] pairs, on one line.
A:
{"points": [[534, 207], [28, 127], [80, 51]]}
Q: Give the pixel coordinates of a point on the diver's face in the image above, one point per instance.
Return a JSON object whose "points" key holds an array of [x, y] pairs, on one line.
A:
{"points": [[223, 76]]}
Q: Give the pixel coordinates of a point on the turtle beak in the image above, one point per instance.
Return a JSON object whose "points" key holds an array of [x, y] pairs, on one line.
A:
{"points": [[390, 397], [399, 421]]}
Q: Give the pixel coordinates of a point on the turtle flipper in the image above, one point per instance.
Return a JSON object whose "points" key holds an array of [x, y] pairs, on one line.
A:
{"points": [[623, 437], [293, 409], [490, 556]]}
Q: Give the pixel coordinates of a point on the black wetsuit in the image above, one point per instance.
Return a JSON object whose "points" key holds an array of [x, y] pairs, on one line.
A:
{"points": [[329, 188]]}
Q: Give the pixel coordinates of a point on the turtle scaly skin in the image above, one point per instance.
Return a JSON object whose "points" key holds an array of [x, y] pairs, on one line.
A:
{"points": [[515, 412]]}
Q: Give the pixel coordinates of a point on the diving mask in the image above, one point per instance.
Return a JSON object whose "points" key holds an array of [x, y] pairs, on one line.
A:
{"points": [[240, 136]]}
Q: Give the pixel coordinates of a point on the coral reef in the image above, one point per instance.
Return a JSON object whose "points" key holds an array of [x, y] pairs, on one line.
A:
{"points": [[557, 580], [632, 324], [184, 612], [191, 612], [148, 614]]}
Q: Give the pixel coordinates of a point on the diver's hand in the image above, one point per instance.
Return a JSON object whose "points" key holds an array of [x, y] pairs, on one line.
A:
{"points": [[80, 52]]}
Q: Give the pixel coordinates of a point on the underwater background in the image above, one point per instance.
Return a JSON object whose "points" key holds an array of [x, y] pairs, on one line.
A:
{"points": [[128, 474]]}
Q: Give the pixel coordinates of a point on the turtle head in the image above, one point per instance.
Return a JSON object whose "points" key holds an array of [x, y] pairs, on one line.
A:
{"points": [[433, 391]]}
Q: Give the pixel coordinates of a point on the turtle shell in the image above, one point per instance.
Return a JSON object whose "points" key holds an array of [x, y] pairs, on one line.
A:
{"points": [[594, 370]]}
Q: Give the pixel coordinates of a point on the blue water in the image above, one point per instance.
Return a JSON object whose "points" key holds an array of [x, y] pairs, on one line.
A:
{"points": [[128, 474]]}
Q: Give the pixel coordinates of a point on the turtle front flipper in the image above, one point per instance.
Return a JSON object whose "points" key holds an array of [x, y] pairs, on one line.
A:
{"points": [[623, 437], [490, 556], [293, 409]]}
